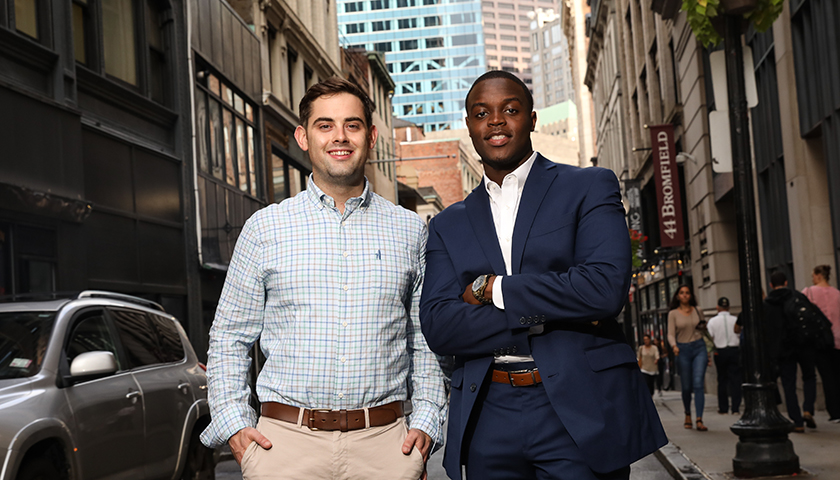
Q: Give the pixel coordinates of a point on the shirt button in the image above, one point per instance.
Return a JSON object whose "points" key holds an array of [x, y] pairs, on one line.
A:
{"points": [[345, 253], [346, 287], [340, 395], [343, 359], [342, 224], [343, 324]]}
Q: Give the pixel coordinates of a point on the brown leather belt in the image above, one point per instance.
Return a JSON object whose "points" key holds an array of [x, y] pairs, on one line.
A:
{"points": [[519, 378], [344, 420]]}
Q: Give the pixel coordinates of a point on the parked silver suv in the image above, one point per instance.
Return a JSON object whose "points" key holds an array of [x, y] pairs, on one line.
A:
{"points": [[100, 386]]}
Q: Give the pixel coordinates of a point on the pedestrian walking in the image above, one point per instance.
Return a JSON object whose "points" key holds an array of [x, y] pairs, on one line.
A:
{"points": [[648, 357], [685, 332], [827, 298], [524, 280], [661, 364], [727, 358], [785, 353], [328, 281]]}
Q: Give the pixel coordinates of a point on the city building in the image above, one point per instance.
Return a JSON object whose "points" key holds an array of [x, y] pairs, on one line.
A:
{"points": [[451, 169], [647, 71], [131, 150], [573, 18], [550, 60], [558, 120], [299, 47], [434, 50], [229, 166]]}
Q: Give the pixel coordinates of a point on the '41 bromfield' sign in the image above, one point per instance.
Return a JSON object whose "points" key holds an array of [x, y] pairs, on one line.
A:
{"points": [[667, 186]]}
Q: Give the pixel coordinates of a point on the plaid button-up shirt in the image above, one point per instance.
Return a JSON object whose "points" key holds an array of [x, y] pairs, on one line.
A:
{"points": [[333, 299]]}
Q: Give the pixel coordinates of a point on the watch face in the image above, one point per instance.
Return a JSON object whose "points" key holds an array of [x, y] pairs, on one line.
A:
{"points": [[477, 283]]}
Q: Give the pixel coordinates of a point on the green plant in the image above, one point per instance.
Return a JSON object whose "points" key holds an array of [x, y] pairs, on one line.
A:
{"points": [[701, 15]]}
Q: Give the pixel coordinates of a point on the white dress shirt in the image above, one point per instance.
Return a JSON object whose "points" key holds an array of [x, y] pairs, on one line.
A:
{"points": [[504, 204], [722, 330]]}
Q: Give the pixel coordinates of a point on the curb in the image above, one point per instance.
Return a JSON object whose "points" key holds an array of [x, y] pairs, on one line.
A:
{"points": [[678, 465]]}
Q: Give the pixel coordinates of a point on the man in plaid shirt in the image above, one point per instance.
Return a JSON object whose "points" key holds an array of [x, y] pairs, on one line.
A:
{"points": [[329, 281]]}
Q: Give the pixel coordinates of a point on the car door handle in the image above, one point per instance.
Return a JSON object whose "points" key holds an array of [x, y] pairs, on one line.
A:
{"points": [[133, 396], [184, 387]]}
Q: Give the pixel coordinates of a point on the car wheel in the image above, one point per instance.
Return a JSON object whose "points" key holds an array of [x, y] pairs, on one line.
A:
{"points": [[199, 462], [48, 465]]}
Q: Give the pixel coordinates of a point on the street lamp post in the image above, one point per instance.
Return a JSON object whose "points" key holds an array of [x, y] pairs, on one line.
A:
{"points": [[763, 447]]}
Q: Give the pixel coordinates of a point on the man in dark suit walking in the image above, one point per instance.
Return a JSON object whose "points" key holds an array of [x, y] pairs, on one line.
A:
{"points": [[524, 280]]}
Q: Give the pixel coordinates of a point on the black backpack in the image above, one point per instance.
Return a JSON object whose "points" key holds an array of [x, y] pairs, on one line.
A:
{"points": [[807, 326]]}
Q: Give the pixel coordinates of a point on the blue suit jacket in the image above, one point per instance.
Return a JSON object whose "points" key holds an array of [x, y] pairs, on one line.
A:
{"points": [[571, 266]]}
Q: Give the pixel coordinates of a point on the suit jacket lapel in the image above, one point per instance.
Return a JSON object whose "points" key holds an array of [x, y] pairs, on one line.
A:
{"points": [[539, 179], [481, 220]]}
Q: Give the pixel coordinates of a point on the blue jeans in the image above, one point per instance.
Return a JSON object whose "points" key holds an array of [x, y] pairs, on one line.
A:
{"points": [[692, 362]]}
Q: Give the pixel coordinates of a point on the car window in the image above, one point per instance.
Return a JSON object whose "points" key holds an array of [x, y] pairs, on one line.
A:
{"points": [[137, 338], [170, 341], [90, 334], [23, 342]]}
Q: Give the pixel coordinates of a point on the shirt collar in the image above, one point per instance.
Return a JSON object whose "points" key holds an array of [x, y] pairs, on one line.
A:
{"points": [[322, 200], [520, 174]]}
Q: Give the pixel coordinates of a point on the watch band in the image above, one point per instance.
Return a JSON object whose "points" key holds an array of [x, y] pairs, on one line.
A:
{"points": [[479, 294]]}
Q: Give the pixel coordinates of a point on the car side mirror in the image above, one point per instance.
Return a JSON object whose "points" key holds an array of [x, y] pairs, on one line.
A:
{"points": [[92, 365]]}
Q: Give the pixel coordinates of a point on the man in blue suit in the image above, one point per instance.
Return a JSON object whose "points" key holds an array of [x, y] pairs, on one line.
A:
{"points": [[524, 280]]}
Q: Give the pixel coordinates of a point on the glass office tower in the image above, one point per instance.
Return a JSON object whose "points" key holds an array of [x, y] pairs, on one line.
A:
{"points": [[434, 50]]}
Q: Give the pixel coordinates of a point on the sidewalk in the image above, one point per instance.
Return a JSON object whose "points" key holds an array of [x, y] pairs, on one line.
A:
{"points": [[711, 452]]}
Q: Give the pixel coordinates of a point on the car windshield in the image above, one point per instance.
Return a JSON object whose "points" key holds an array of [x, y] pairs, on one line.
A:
{"points": [[23, 342]]}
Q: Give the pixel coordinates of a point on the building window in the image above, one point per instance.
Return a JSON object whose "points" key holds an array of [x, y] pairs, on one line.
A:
{"points": [[487, 4], [409, 67], [26, 16], [507, 16], [489, 25], [508, 59], [382, 47], [431, 2], [506, 6], [404, 23], [459, 18], [507, 27], [459, 40], [134, 39], [432, 21], [354, 28], [489, 36], [381, 25], [488, 15], [226, 135], [379, 4], [408, 45], [406, 3], [354, 7], [28, 259], [510, 38], [436, 42]]}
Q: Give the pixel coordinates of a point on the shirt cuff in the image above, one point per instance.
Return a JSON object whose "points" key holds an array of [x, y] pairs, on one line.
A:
{"points": [[498, 298], [427, 419], [225, 425]]}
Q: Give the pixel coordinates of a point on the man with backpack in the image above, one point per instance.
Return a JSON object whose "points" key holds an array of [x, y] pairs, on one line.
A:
{"points": [[795, 330]]}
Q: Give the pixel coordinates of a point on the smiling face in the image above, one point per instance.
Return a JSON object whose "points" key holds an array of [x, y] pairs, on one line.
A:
{"points": [[500, 123], [338, 142]]}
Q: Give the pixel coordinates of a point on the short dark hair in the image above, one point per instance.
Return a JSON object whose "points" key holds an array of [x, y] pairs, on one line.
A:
{"points": [[333, 86], [778, 278], [824, 270], [675, 300], [529, 99]]}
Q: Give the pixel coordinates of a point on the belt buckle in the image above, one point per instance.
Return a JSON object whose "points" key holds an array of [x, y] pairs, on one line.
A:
{"points": [[519, 372], [311, 419]]}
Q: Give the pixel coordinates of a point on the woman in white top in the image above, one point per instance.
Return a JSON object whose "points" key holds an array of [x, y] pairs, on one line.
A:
{"points": [[648, 356]]}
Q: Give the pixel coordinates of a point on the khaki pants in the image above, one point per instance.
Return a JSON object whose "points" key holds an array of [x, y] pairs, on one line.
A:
{"points": [[297, 452]]}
